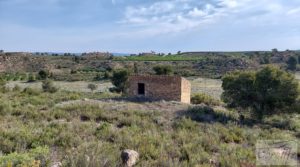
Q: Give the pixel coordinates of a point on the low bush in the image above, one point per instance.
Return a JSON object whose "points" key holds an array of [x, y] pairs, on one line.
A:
{"points": [[48, 86], [288, 122], [17, 88], [31, 91], [5, 108], [205, 99], [207, 114], [163, 70], [92, 87], [31, 78], [43, 74], [3, 87], [37, 157]]}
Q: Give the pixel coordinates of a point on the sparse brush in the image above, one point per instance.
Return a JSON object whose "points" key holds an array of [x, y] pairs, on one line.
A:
{"points": [[202, 98], [31, 91], [93, 132], [17, 88], [48, 86]]}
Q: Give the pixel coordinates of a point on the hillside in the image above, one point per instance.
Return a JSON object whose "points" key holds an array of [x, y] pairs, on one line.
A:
{"points": [[209, 64], [88, 129], [76, 126]]}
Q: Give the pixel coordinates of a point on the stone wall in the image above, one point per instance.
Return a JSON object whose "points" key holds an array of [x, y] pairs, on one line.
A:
{"points": [[160, 87], [185, 91]]}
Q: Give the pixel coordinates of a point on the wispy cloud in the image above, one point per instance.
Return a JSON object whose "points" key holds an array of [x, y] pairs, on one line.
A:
{"points": [[294, 11], [149, 24], [170, 16]]}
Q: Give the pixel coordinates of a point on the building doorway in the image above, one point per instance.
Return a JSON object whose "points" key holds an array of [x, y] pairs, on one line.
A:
{"points": [[141, 88]]}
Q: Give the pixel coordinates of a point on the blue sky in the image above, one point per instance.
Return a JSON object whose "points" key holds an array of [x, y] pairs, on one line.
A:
{"points": [[144, 25]]}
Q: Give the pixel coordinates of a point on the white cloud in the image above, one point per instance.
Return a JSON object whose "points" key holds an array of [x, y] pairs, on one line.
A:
{"points": [[294, 11], [169, 16]]}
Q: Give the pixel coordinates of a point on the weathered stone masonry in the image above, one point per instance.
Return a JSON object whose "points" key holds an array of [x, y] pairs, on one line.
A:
{"points": [[160, 87]]}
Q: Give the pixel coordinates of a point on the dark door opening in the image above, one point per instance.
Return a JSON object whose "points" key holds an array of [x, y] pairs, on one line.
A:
{"points": [[141, 88]]}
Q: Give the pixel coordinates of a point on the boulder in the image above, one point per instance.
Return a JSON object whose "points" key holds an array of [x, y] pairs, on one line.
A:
{"points": [[129, 157], [57, 164]]}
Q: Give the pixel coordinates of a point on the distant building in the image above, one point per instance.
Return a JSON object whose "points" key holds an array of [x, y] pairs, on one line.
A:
{"points": [[160, 87]]}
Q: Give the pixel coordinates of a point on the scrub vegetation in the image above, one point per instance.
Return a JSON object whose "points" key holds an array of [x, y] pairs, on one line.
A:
{"points": [[45, 119]]}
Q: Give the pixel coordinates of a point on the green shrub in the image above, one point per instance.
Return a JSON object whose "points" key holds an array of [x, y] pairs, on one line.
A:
{"points": [[119, 79], [204, 98], [48, 86], [163, 70], [3, 87], [292, 63], [265, 91], [92, 87], [31, 78], [207, 114], [5, 108], [43, 74], [17, 88], [31, 91], [203, 109], [93, 154], [288, 122], [2, 82], [35, 157], [107, 75]]}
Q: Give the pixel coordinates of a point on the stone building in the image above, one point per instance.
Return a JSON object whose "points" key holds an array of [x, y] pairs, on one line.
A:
{"points": [[159, 87]]}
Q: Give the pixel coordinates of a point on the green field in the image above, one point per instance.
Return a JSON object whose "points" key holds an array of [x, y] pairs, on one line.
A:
{"points": [[160, 58]]}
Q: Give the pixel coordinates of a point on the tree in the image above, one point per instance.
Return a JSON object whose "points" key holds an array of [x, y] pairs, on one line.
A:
{"points": [[48, 86], [77, 59], [92, 87], [265, 59], [31, 78], [163, 70], [119, 79], [43, 74], [107, 75], [292, 63], [136, 68], [264, 92], [275, 50]]}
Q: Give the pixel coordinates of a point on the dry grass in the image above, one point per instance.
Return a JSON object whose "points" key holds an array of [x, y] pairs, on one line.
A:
{"points": [[297, 75], [94, 130], [113, 105], [212, 87], [79, 86]]}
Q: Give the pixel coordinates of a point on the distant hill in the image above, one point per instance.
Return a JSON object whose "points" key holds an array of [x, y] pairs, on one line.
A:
{"points": [[209, 64]]}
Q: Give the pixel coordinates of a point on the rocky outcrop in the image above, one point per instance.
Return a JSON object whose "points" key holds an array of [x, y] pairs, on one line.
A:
{"points": [[129, 157]]}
